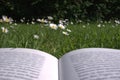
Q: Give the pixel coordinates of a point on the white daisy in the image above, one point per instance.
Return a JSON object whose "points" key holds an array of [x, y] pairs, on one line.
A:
{"points": [[61, 26], [53, 26], [68, 30], [4, 30], [65, 33], [36, 36]]}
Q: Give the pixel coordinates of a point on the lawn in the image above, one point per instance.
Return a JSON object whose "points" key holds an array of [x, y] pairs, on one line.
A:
{"points": [[59, 41]]}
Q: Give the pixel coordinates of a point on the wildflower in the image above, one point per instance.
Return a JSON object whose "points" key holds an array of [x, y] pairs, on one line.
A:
{"points": [[101, 21], [71, 22], [80, 21], [68, 30], [53, 26], [10, 22], [33, 19], [105, 21], [1, 20], [36, 36], [6, 19], [61, 26], [21, 20], [103, 25], [27, 23], [4, 30], [60, 22], [42, 20], [32, 22], [99, 25], [65, 33], [117, 22], [83, 26], [50, 17], [12, 26], [15, 24], [38, 20], [65, 22]]}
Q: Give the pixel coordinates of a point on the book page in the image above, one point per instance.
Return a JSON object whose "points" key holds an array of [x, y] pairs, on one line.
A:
{"points": [[27, 64], [90, 64]]}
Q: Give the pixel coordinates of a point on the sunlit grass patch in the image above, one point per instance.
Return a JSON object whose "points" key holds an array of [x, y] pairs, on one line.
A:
{"points": [[61, 40]]}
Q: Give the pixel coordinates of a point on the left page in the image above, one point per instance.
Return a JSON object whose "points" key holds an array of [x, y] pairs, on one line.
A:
{"points": [[27, 64]]}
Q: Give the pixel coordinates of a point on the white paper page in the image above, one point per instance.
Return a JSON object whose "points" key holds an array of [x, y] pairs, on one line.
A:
{"points": [[90, 64], [27, 64]]}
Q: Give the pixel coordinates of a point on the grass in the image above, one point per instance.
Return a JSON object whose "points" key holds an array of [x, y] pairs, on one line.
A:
{"points": [[83, 35]]}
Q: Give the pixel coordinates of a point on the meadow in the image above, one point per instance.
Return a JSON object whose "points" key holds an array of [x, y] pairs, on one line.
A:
{"points": [[58, 41]]}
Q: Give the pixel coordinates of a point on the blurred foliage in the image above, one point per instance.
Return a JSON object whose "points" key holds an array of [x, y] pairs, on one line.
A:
{"points": [[70, 9]]}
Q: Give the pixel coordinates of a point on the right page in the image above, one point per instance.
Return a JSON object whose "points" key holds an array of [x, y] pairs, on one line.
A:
{"points": [[90, 64]]}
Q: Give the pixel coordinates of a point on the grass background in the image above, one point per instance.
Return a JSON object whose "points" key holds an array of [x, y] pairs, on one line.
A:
{"points": [[83, 35]]}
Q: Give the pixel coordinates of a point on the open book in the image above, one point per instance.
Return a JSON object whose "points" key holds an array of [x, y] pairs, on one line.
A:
{"points": [[82, 64]]}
